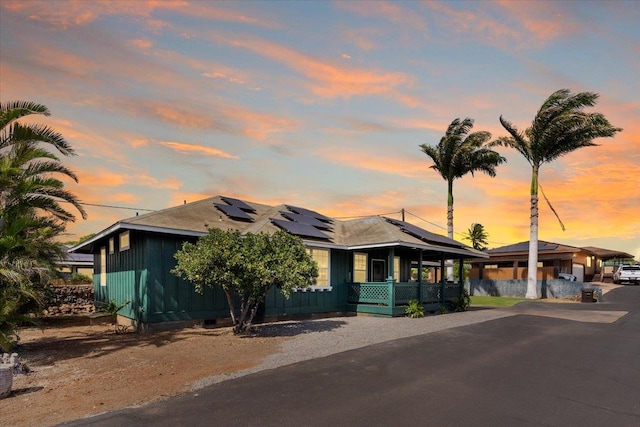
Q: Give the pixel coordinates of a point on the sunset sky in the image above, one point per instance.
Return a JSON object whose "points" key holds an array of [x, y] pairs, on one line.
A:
{"points": [[324, 104]]}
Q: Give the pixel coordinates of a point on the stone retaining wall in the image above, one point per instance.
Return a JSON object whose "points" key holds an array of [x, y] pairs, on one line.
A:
{"points": [[553, 288], [70, 300]]}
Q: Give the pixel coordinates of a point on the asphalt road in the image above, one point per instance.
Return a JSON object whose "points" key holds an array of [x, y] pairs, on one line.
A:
{"points": [[523, 370]]}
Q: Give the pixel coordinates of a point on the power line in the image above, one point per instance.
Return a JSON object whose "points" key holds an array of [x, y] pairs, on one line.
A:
{"points": [[455, 232], [365, 216], [428, 222], [113, 207]]}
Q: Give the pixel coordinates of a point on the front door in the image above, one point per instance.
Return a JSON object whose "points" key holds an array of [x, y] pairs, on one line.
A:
{"points": [[378, 270]]}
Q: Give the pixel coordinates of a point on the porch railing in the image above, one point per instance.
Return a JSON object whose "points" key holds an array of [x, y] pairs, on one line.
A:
{"points": [[390, 298]]}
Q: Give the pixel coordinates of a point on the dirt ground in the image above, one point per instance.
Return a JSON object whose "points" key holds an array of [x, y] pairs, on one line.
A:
{"points": [[83, 370]]}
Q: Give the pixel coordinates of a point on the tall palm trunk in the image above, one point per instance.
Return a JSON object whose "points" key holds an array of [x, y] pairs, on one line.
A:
{"points": [[532, 268], [450, 227]]}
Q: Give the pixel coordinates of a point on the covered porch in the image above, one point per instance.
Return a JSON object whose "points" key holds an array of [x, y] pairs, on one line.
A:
{"points": [[406, 279]]}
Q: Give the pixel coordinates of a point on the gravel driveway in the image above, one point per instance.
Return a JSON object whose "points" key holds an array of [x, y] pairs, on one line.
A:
{"points": [[323, 337]]}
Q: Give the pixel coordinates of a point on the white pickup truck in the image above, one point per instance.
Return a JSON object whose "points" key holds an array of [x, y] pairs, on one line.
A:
{"points": [[628, 274]]}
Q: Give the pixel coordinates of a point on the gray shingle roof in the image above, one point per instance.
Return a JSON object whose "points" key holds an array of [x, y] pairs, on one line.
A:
{"points": [[195, 218]]}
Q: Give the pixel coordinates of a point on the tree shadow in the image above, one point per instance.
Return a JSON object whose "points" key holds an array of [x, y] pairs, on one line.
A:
{"points": [[98, 341], [26, 390], [294, 328]]}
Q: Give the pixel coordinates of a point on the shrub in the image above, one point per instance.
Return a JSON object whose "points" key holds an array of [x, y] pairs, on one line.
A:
{"points": [[462, 302], [113, 308], [414, 310], [78, 279]]}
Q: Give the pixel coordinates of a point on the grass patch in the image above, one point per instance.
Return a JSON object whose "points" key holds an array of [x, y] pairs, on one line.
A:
{"points": [[488, 301]]}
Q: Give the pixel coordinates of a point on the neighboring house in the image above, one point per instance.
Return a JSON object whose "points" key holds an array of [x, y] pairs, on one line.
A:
{"points": [[607, 261], [371, 265], [75, 263], [510, 262]]}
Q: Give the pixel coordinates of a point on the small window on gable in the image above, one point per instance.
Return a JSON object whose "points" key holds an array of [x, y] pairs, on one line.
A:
{"points": [[124, 241], [112, 245]]}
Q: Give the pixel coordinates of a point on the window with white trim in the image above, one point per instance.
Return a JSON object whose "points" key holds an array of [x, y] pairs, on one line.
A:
{"points": [[359, 267], [111, 245], [321, 257], [396, 269], [124, 241], [103, 266]]}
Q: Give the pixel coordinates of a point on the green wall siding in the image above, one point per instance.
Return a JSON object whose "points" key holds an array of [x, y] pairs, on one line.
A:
{"points": [[142, 275], [314, 301], [123, 279], [171, 298]]}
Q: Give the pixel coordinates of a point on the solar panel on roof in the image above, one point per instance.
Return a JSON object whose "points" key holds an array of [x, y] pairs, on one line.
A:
{"points": [[422, 234], [233, 212], [299, 229], [303, 219], [307, 212], [523, 247], [238, 203]]}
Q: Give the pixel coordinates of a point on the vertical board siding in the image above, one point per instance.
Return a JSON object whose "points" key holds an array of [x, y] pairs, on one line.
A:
{"points": [[313, 301], [172, 298], [121, 276], [142, 275]]}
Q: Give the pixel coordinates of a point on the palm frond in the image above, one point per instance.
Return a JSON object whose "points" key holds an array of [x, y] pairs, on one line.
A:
{"points": [[38, 133], [551, 207], [13, 110]]}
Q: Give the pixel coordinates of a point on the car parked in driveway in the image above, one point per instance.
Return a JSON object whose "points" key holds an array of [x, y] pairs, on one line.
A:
{"points": [[627, 274]]}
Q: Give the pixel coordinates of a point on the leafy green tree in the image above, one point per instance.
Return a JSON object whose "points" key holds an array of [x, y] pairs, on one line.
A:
{"points": [[559, 127], [246, 267], [478, 236], [458, 153], [84, 238], [31, 215]]}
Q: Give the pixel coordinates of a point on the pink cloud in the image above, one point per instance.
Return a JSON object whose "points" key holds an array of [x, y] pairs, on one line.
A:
{"points": [[326, 80], [389, 11], [544, 21], [81, 12], [78, 13], [525, 25], [143, 44], [362, 159], [363, 38], [96, 182], [184, 148]]}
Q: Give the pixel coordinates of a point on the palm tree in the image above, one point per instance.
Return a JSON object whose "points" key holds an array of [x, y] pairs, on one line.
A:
{"points": [[457, 154], [31, 215], [27, 256], [27, 170], [478, 236], [559, 127]]}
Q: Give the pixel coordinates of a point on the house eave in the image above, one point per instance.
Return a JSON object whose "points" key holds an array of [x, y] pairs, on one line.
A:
{"points": [[88, 244], [424, 247]]}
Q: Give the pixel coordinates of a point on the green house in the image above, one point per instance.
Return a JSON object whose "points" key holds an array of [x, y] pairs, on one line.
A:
{"points": [[367, 265]]}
